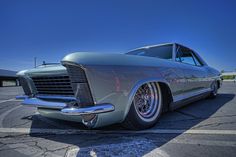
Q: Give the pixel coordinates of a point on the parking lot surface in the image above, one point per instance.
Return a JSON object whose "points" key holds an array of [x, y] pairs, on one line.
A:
{"points": [[203, 128]]}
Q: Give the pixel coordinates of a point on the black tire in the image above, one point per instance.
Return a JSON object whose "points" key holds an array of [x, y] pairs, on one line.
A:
{"points": [[214, 92], [134, 120]]}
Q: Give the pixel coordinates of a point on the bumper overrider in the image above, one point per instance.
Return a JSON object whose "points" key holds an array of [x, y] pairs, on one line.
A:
{"points": [[67, 109]]}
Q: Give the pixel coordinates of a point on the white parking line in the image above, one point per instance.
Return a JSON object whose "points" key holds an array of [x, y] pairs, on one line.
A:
{"points": [[204, 142], [121, 147], [30, 150], [3, 115], [76, 131], [13, 99], [137, 143], [73, 152], [190, 131], [159, 151]]}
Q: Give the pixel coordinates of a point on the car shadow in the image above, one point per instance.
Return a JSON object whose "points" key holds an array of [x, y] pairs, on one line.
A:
{"points": [[106, 139]]}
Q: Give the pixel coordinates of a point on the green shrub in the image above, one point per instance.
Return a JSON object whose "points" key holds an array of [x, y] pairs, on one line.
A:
{"points": [[228, 77]]}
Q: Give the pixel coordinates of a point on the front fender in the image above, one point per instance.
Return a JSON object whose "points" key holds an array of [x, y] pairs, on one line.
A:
{"points": [[117, 85]]}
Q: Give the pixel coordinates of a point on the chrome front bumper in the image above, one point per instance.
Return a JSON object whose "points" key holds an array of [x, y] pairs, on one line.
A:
{"points": [[65, 108]]}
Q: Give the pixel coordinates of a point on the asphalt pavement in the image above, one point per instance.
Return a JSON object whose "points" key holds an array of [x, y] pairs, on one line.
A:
{"points": [[203, 128]]}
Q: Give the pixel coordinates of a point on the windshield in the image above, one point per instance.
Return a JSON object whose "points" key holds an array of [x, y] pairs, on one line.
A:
{"points": [[164, 52]]}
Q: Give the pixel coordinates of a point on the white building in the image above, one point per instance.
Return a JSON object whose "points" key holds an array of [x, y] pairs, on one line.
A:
{"points": [[233, 73], [8, 78]]}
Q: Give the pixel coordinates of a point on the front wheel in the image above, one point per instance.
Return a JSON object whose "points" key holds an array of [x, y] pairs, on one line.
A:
{"points": [[146, 107]]}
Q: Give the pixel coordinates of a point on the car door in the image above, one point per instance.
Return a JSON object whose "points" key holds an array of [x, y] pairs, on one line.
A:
{"points": [[172, 73], [194, 71]]}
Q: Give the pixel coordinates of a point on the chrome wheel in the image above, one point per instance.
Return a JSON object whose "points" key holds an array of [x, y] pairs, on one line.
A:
{"points": [[147, 101], [215, 88]]}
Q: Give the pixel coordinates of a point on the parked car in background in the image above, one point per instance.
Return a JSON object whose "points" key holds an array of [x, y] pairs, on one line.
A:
{"points": [[133, 88]]}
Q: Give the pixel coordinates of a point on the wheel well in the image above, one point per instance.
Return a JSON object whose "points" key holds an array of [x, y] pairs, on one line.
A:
{"points": [[166, 96]]}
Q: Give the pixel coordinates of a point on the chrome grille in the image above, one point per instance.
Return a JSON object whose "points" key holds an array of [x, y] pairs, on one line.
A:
{"points": [[53, 85]]}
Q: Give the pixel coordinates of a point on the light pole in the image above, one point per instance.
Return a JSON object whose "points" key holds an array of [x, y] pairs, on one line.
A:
{"points": [[35, 62]]}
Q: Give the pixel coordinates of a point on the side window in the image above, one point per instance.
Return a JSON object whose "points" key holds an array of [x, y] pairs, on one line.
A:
{"points": [[184, 55], [197, 61], [160, 51], [164, 52]]}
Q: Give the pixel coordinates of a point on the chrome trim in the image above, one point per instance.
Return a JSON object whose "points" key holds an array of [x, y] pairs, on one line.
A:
{"points": [[34, 102], [65, 109], [88, 110], [190, 94], [67, 98], [22, 97]]}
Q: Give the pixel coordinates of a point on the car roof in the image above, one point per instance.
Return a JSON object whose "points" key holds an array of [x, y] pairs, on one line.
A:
{"points": [[156, 45]]}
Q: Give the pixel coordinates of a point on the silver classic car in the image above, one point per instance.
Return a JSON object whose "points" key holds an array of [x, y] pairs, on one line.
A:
{"points": [[100, 89]]}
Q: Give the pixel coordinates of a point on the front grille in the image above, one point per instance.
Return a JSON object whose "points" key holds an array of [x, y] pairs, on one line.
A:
{"points": [[53, 85]]}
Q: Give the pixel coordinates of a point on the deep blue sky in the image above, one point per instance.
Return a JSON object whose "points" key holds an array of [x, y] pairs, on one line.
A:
{"points": [[50, 29]]}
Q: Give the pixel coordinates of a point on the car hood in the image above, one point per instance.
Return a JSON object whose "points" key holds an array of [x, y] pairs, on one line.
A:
{"points": [[87, 58], [57, 69], [96, 59]]}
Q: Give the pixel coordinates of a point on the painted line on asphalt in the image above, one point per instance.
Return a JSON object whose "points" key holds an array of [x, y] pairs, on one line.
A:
{"points": [[204, 142], [157, 152], [2, 101], [29, 150], [3, 115], [113, 148], [73, 152], [137, 143], [188, 141], [76, 131], [190, 131], [46, 120]]}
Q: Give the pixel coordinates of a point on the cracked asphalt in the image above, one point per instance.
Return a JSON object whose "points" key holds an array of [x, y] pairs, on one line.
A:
{"points": [[203, 128]]}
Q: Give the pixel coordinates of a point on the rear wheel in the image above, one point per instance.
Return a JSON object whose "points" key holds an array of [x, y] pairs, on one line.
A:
{"points": [[146, 107], [214, 91]]}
